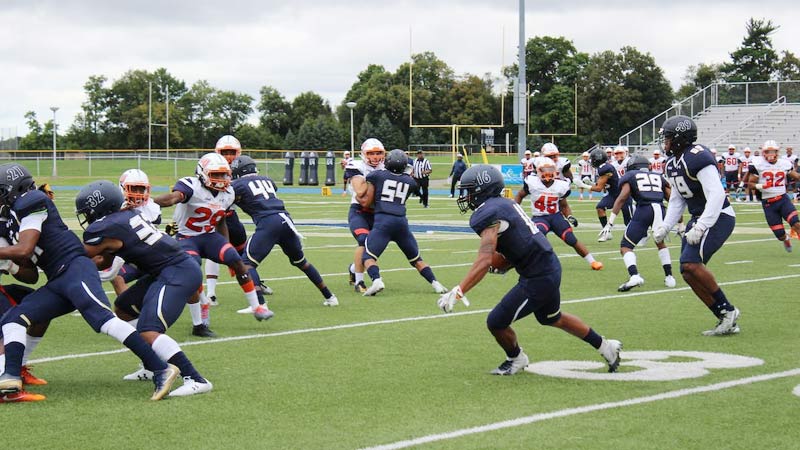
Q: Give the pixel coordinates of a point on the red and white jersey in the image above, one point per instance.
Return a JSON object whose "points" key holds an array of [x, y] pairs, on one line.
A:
{"points": [[746, 161], [792, 159], [201, 213], [528, 166], [363, 168], [732, 161], [544, 200], [658, 164], [150, 210], [561, 165], [773, 177], [346, 161], [585, 168], [620, 166]]}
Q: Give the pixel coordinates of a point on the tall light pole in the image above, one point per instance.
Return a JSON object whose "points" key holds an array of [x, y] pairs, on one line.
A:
{"points": [[55, 127], [352, 106], [522, 129]]}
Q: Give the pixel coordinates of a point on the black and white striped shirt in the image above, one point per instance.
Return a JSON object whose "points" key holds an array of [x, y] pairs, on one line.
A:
{"points": [[422, 168]]}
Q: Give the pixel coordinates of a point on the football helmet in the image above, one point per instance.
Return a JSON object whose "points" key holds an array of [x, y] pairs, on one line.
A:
{"points": [[527, 153], [770, 151], [372, 152], [731, 149], [620, 153], [676, 134], [214, 172], [480, 183], [229, 147], [546, 171], [97, 200], [242, 166], [135, 186], [396, 161], [638, 162], [15, 180], [346, 154], [585, 155], [549, 150], [656, 153], [536, 154], [597, 157], [747, 151]]}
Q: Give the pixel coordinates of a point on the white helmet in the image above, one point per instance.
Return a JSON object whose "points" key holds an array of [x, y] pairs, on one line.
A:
{"points": [[770, 151], [550, 150], [656, 152], [227, 143], [135, 187], [346, 154], [546, 170], [585, 155], [372, 152], [527, 153], [536, 154], [214, 172]]}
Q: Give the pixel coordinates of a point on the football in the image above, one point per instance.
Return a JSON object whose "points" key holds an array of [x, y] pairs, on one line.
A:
{"points": [[500, 263]]}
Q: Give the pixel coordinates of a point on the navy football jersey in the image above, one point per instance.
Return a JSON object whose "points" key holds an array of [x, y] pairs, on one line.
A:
{"points": [[57, 245], [612, 183], [646, 187], [682, 176], [142, 244], [255, 194], [522, 244], [391, 191]]}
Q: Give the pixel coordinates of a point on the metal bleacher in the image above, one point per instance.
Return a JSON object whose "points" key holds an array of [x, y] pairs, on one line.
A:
{"points": [[742, 114]]}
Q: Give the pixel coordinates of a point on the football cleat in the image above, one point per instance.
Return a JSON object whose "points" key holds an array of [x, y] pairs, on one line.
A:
{"points": [[377, 286], [262, 313], [634, 281], [212, 300], [266, 290], [21, 396], [726, 325], [29, 378], [360, 287], [787, 245], [140, 375], [596, 265], [163, 379], [512, 365], [605, 237], [669, 281], [439, 288], [192, 387], [331, 301], [610, 348], [10, 384], [202, 330], [351, 275]]}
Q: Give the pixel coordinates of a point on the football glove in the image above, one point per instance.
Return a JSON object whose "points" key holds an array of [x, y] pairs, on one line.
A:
{"points": [[695, 235], [8, 266], [447, 301], [660, 233], [110, 273], [171, 229], [572, 220], [497, 270], [759, 186], [605, 233]]}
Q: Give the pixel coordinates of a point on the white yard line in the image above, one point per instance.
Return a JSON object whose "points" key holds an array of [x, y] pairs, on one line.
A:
{"points": [[527, 420]]}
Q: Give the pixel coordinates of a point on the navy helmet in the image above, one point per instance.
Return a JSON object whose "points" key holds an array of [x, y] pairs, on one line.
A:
{"points": [[97, 200], [597, 158], [15, 180], [681, 132], [396, 161], [480, 183], [638, 162], [242, 166]]}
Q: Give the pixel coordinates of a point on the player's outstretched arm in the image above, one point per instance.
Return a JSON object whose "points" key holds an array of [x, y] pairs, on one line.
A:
{"points": [[170, 199]]}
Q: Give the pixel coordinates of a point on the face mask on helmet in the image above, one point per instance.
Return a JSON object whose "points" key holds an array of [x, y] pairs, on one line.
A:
{"points": [[214, 172], [373, 152], [229, 147], [676, 134], [97, 200], [135, 186], [479, 182], [547, 173], [770, 154]]}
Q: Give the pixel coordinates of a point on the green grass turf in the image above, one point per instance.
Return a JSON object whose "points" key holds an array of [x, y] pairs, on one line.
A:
{"points": [[399, 369]]}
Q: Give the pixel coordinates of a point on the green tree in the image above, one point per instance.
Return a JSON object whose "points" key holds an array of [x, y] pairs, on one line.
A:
{"points": [[321, 133], [39, 137], [697, 77], [257, 137], [388, 134], [788, 68], [755, 60], [308, 105], [274, 110], [229, 111]]}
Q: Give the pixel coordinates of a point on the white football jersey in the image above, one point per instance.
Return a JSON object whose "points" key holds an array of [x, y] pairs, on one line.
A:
{"points": [[201, 213], [150, 210], [544, 200], [746, 161], [792, 159], [732, 161], [658, 164], [561, 165], [365, 169], [772, 176], [620, 166], [586, 169], [528, 165]]}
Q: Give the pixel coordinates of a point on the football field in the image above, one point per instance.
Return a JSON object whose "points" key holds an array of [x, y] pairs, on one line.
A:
{"points": [[393, 371]]}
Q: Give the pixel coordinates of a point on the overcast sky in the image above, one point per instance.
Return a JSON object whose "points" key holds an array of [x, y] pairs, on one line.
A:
{"points": [[49, 48]]}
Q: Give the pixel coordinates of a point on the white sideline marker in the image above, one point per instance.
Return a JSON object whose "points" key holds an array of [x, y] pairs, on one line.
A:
{"points": [[586, 409]]}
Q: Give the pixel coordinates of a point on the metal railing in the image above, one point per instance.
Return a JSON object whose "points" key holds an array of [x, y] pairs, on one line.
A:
{"points": [[758, 118], [716, 94]]}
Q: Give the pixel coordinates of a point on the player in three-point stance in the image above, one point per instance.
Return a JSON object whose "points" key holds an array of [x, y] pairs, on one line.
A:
{"points": [[505, 228], [169, 278], [694, 181], [388, 191], [39, 234]]}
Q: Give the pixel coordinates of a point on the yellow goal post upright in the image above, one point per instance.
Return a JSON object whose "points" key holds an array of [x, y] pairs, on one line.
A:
{"points": [[454, 128]]}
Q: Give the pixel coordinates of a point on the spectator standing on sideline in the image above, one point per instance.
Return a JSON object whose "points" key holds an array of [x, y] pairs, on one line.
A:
{"points": [[459, 167], [421, 173]]}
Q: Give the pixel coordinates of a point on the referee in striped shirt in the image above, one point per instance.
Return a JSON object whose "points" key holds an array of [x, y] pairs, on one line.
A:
{"points": [[421, 173]]}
